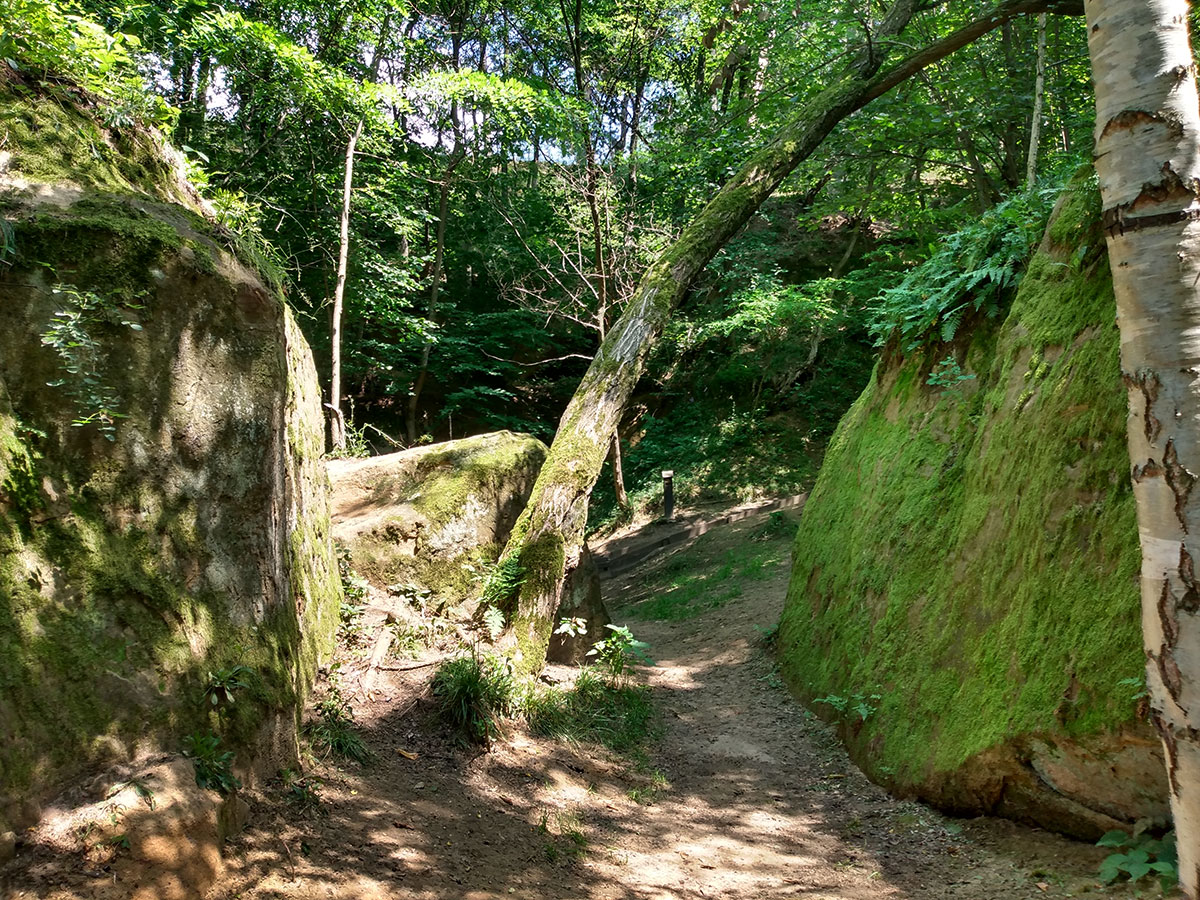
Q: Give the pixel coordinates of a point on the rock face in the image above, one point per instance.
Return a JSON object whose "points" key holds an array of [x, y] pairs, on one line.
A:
{"points": [[964, 584], [434, 514], [164, 508]]}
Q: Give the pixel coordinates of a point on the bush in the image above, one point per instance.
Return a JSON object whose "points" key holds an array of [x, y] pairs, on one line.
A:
{"points": [[973, 270], [595, 709], [472, 693], [332, 732]]}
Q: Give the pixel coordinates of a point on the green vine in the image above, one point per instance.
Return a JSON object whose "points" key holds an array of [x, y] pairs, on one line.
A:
{"points": [[71, 334]]}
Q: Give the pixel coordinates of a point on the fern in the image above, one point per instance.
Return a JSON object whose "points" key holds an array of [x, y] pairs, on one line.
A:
{"points": [[973, 270]]}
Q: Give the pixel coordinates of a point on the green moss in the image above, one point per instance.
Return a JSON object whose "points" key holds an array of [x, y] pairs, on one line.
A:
{"points": [[475, 466], [973, 559], [54, 141], [111, 616]]}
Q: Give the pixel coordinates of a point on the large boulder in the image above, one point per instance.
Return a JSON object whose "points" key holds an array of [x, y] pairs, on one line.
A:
{"points": [[964, 596], [164, 512], [436, 515]]}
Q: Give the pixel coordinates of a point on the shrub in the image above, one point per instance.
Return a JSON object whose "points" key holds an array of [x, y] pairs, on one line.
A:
{"points": [[472, 693]]}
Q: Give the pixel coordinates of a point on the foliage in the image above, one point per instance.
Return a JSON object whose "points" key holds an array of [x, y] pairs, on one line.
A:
{"points": [[74, 334], [973, 270], [44, 38], [619, 651], [493, 621], [862, 705], [222, 684], [947, 374], [1140, 855], [472, 692], [332, 731], [594, 709], [302, 792], [502, 583], [214, 768]]}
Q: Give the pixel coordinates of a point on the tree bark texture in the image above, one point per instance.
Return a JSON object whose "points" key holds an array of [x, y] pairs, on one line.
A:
{"points": [[1148, 163], [546, 541]]}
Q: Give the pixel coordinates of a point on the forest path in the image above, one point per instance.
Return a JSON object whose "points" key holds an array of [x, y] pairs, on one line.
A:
{"points": [[744, 796]]}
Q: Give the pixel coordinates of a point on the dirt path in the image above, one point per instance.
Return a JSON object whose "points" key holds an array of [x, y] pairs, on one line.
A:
{"points": [[744, 796]]}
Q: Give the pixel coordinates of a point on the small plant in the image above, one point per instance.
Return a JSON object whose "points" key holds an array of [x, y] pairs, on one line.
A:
{"points": [[776, 526], [572, 627], [303, 792], [223, 683], [1137, 684], [503, 583], [644, 795], [768, 636], [71, 334], [351, 630], [1140, 855], [617, 652], [493, 621], [472, 692], [214, 768], [947, 374], [862, 705], [332, 732]]}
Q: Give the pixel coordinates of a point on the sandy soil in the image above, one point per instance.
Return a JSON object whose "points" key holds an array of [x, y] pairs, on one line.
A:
{"points": [[744, 795]]}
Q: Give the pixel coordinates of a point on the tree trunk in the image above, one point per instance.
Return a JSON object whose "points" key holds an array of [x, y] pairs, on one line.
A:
{"points": [[439, 258], [546, 541], [1039, 96], [1148, 162], [337, 421]]}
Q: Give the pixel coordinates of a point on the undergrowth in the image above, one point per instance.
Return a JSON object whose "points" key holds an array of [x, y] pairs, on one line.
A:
{"points": [[332, 731], [974, 270], [473, 692], [619, 716]]}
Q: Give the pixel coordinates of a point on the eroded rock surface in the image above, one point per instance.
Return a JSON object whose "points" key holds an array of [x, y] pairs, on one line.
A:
{"points": [[164, 511], [964, 596], [434, 515]]}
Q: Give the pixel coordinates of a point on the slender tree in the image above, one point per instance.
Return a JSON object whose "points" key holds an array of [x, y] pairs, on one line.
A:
{"points": [[1148, 162]]}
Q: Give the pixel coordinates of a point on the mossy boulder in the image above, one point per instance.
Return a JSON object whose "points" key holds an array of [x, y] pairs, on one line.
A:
{"points": [[436, 515], [164, 507], [964, 597]]}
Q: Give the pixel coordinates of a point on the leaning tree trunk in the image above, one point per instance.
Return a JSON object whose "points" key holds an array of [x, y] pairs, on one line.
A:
{"points": [[545, 543], [1148, 161]]}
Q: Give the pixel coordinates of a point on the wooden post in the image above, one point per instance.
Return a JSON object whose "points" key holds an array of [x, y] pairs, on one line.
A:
{"points": [[668, 495]]}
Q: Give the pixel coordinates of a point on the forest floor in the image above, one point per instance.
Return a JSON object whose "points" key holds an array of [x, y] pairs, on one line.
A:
{"points": [[738, 792], [742, 794]]}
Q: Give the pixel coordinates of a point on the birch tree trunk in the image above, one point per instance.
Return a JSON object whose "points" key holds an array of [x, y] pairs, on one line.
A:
{"points": [[1039, 96], [1148, 162], [337, 420], [546, 541]]}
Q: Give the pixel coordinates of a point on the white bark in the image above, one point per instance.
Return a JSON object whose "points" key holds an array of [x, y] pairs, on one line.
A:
{"points": [[1148, 162], [337, 421], [1039, 96]]}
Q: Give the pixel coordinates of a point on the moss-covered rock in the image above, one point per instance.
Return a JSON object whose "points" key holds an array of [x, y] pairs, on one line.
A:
{"points": [[435, 515], [964, 593], [163, 504]]}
